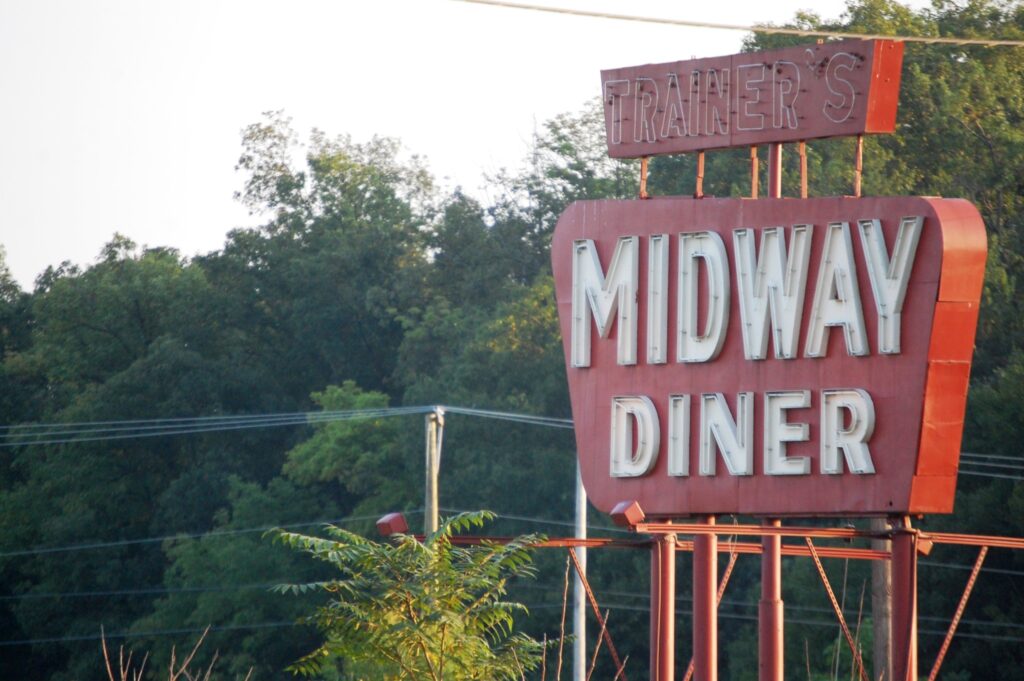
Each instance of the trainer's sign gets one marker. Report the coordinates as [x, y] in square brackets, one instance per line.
[798, 93]
[771, 357]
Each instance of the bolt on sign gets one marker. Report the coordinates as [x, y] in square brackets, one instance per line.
[797, 93]
[772, 356]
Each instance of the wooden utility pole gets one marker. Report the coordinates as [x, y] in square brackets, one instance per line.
[881, 604]
[435, 434]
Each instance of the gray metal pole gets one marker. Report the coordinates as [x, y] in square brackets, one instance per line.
[579, 603]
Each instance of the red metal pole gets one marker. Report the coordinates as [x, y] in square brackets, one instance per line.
[774, 170]
[904, 601]
[663, 615]
[770, 614]
[655, 618]
[705, 612]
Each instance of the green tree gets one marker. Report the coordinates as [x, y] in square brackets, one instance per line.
[418, 610]
[362, 457]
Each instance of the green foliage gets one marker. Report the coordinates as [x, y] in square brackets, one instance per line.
[224, 580]
[362, 456]
[418, 610]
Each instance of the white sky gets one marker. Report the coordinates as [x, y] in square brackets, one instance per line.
[119, 115]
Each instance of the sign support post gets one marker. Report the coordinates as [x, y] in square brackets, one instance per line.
[904, 601]
[770, 614]
[775, 170]
[663, 607]
[705, 606]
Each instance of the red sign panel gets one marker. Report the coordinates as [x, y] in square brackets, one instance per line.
[797, 93]
[769, 357]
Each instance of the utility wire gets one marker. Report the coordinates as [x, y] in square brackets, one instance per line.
[146, 634]
[236, 531]
[262, 528]
[151, 591]
[978, 474]
[55, 435]
[781, 30]
[93, 431]
[41, 550]
[506, 416]
[727, 602]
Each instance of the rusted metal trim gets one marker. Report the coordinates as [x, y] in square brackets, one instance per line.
[754, 180]
[621, 671]
[995, 542]
[775, 170]
[803, 170]
[698, 191]
[858, 166]
[556, 543]
[838, 611]
[975, 540]
[793, 550]
[759, 530]
[643, 177]
[959, 613]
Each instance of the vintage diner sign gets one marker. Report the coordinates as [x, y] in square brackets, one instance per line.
[831, 89]
[770, 357]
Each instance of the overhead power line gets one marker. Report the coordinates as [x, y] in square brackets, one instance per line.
[35, 434]
[84, 546]
[147, 634]
[528, 419]
[781, 30]
[56, 433]
[40, 550]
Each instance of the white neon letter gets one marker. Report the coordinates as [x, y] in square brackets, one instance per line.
[842, 96]
[614, 91]
[693, 345]
[785, 90]
[749, 78]
[838, 408]
[772, 285]
[678, 435]
[694, 97]
[674, 123]
[716, 97]
[593, 292]
[836, 296]
[889, 278]
[733, 438]
[778, 431]
[625, 461]
[645, 105]
[657, 299]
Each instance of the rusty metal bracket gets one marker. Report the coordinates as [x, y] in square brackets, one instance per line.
[858, 165]
[619, 668]
[838, 611]
[698, 191]
[754, 180]
[959, 613]
[803, 170]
